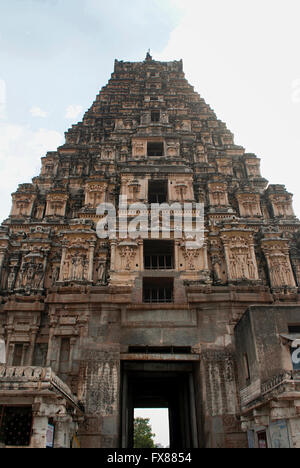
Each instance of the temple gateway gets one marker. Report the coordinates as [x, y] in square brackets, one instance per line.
[93, 327]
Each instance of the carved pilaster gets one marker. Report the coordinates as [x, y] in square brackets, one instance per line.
[240, 255]
[91, 261]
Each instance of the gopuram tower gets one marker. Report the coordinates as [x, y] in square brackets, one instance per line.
[94, 326]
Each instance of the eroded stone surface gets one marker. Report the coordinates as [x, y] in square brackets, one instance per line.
[74, 303]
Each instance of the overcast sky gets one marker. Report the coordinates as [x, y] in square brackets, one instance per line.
[243, 57]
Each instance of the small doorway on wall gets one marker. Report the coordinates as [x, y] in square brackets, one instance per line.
[160, 386]
[262, 440]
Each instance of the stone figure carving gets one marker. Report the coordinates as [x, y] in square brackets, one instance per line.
[21, 278]
[218, 195]
[11, 279]
[66, 268]
[280, 271]
[55, 274]
[102, 277]
[134, 188]
[241, 267]
[217, 268]
[240, 258]
[75, 267]
[38, 276]
[253, 169]
[191, 255]
[128, 253]
[31, 276]
[282, 205]
[251, 268]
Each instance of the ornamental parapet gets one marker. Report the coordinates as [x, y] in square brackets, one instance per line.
[33, 380]
[258, 392]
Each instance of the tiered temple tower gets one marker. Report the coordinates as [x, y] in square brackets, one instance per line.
[95, 327]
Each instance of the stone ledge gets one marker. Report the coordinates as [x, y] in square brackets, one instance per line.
[281, 386]
[34, 379]
[160, 357]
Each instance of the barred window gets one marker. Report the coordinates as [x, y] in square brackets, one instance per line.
[15, 426]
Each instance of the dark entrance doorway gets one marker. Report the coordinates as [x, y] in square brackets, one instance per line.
[161, 385]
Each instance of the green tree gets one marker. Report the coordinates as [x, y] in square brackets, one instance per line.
[143, 437]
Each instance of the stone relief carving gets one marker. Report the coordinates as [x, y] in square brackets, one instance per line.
[95, 194]
[224, 166]
[134, 189]
[277, 252]
[128, 253]
[55, 274]
[282, 205]
[280, 271]
[181, 189]
[56, 204]
[241, 266]
[191, 256]
[31, 276]
[240, 257]
[217, 268]
[173, 148]
[253, 168]
[101, 272]
[249, 205]
[218, 195]
[11, 278]
[75, 267]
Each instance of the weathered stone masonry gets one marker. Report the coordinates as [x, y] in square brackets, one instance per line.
[90, 324]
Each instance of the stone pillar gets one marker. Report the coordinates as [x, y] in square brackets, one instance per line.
[39, 431]
[52, 340]
[113, 255]
[2, 256]
[2, 351]
[91, 261]
[176, 255]
[102, 401]
[73, 342]
[206, 267]
[62, 434]
[227, 258]
[63, 258]
[25, 354]
[253, 258]
[294, 432]
[10, 353]
[141, 252]
[33, 333]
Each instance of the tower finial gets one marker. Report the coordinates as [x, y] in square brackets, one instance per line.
[148, 56]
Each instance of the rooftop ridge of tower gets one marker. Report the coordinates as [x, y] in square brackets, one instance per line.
[149, 61]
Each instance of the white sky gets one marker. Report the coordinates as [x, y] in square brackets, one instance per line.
[159, 421]
[243, 58]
